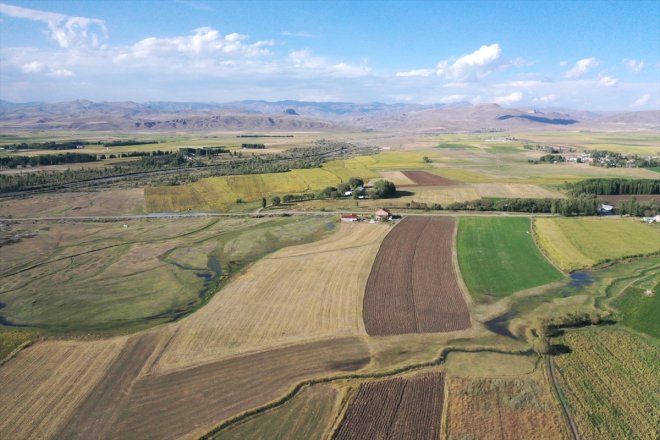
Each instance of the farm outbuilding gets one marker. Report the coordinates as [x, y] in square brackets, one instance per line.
[348, 218]
[383, 214]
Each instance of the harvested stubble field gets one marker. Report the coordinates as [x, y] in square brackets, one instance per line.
[299, 293]
[500, 409]
[498, 256]
[423, 178]
[577, 243]
[610, 380]
[44, 384]
[400, 408]
[413, 286]
[189, 403]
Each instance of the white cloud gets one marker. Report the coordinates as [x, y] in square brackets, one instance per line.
[642, 101]
[68, 32]
[510, 98]
[452, 99]
[473, 66]
[297, 34]
[607, 81]
[563, 63]
[32, 67]
[636, 66]
[581, 67]
[61, 72]
[416, 72]
[546, 99]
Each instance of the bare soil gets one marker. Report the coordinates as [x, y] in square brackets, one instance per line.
[400, 408]
[423, 178]
[412, 287]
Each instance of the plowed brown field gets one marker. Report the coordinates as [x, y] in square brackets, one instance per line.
[423, 178]
[400, 408]
[413, 286]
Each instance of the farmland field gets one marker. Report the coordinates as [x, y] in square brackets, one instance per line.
[639, 304]
[413, 285]
[404, 407]
[299, 293]
[190, 402]
[44, 384]
[618, 397]
[422, 178]
[489, 408]
[585, 242]
[306, 416]
[498, 257]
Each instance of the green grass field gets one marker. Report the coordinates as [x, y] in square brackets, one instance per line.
[306, 416]
[576, 243]
[88, 277]
[639, 305]
[498, 257]
[656, 169]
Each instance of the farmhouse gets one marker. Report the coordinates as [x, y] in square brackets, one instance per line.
[383, 214]
[348, 218]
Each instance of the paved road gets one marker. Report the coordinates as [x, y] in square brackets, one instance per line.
[258, 213]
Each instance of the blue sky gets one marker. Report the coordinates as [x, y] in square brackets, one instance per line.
[598, 55]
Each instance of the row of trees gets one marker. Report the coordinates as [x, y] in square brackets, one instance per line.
[614, 187]
[45, 159]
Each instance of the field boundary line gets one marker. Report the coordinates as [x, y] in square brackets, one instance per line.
[15, 352]
[457, 269]
[440, 359]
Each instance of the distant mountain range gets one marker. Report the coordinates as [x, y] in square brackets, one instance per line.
[307, 116]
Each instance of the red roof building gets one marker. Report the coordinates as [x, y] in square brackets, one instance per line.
[347, 218]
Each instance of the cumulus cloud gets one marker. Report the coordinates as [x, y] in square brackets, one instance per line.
[581, 67]
[452, 99]
[68, 32]
[416, 72]
[511, 98]
[636, 66]
[642, 100]
[607, 81]
[473, 66]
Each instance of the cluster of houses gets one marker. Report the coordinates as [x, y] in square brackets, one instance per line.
[381, 214]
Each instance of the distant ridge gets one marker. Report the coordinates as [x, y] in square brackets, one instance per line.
[307, 116]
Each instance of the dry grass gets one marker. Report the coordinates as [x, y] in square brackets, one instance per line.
[43, 385]
[515, 191]
[521, 408]
[107, 202]
[299, 293]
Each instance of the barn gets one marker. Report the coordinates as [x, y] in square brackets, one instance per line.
[348, 218]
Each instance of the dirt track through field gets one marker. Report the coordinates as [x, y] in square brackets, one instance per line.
[423, 178]
[412, 287]
[400, 408]
[189, 403]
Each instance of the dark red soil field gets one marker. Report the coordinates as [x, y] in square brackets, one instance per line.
[412, 287]
[616, 200]
[400, 408]
[422, 178]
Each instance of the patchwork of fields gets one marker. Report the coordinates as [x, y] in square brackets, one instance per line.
[413, 285]
[585, 242]
[498, 256]
[300, 293]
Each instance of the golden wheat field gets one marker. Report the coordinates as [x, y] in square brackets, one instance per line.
[299, 293]
[576, 243]
[45, 383]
